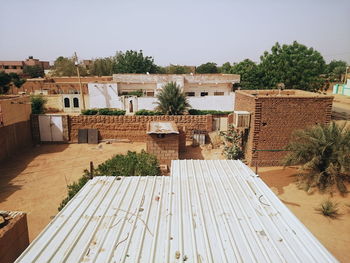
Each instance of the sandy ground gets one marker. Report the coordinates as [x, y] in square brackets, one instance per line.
[334, 234]
[35, 181]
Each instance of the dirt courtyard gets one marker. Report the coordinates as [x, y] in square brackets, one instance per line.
[334, 234]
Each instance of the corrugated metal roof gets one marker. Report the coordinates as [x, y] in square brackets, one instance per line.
[162, 127]
[207, 211]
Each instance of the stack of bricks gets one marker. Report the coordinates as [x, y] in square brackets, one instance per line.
[165, 147]
[274, 118]
[134, 127]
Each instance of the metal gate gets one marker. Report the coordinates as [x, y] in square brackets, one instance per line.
[51, 128]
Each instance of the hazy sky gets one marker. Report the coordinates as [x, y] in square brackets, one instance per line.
[177, 32]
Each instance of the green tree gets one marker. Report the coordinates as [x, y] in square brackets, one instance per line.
[17, 80]
[171, 100]
[324, 153]
[207, 68]
[38, 103]
[133, 62]
[295, 65]
[335, 69]
[249, 72]
[5, 81]
[225, 68]
[34, 71]
[177, 69]
[102, 67]
[65, 67]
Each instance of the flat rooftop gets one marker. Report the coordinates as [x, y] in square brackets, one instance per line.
[162, 127]
[206, 211]
[283, 93]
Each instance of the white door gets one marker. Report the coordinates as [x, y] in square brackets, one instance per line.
[51, 128]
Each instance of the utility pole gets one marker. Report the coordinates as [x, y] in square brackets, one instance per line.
[80, 86]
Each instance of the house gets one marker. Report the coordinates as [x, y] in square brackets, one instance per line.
[206, 211]
[274, 116]
[18, 66]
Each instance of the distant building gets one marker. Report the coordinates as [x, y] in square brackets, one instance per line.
[18, 66]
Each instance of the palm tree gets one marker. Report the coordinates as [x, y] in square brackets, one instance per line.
[171, 100]
[324, 153]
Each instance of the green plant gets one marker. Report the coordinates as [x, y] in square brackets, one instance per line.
[38, 102]
[148, 113]
[103, 111]
[171, 101]
[74, 188]
[329, 208]
[323, 151]
[206, 112]
[232, 150]
[131, 164]
[138, 93]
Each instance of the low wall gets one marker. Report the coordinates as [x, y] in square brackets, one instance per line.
[14, 238]
[134, 127]
[14, 138]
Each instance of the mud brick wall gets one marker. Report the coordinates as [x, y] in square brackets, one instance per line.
[165, 148]
[134, 127]
[14, 238]
[14, 138]
[274, 119]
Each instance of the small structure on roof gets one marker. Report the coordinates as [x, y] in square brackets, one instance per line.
[163, 141]
[206, 211]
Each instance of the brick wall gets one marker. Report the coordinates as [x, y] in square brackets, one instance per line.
[165, 148]
[14, 238]
[134, 127]
[274, 118]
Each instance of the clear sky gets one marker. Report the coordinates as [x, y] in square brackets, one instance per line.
[177, 32]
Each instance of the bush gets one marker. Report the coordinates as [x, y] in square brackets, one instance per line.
[74, 188]
[206, 112]
[103, 111]
[328, 208]
[131, 164]
[148, 113]
[38, 102]
[232, 150]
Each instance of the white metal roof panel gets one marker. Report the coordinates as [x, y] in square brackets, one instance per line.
[206, 211]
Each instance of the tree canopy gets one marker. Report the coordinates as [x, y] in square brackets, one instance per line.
[295, 65]
[177, 69]
[335, 69]
[171, 100]
[249, 72]
[207, 68]
[35, 71]
[102, 66]
[65, 67]
[133, 62]
[6, 80]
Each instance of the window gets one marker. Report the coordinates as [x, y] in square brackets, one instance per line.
[150, 93]
[6, 67]
[204, 93]
[219, 93]
[66, 103]
[76, 103]
[190, 94]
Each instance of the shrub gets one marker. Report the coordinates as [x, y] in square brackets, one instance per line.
[138, 93]
[38, 102]
[206, 112]
[74, 188]
[328, 208]
[148, 113]
[103, 111]
[232, 150]
[131, 164]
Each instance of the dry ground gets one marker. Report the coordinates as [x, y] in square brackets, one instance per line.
[334, 234]
[35, 181]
